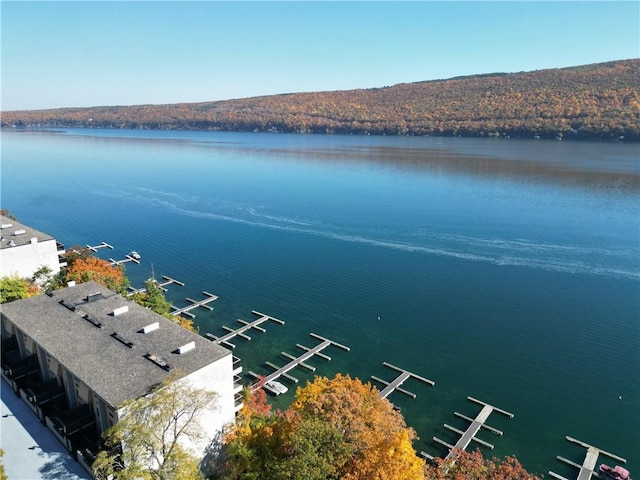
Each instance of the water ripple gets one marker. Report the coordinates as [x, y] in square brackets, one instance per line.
[497, 251]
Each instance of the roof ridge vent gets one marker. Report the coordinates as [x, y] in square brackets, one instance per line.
[159, 361]
[187, 347]
[93, 321]
[120, 310]
[92, 297]
[151, 327]
[70, 305]
[123, 339]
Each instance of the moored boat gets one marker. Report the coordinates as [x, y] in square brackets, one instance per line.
[616, 473]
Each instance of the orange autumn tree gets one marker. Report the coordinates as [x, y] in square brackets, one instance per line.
[335, 429]
[377, 435]
[92, 268]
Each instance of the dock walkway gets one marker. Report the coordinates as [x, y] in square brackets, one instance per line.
[162, 285]
[399, 380]
[587, 469]
[240, 331]
[309, 352]
[469, 434]
[210, 297]
[128, 258]
[95, 248]
[168, 281]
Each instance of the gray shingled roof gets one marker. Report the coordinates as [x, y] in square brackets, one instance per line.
[110, 368]
[8, 233]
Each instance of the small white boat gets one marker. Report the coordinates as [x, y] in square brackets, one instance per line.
[276, 387]
[135, 255]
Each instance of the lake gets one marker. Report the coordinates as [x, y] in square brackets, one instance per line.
[506, 270]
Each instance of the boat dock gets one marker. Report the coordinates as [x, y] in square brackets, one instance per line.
[589, 463]
[128, 258]
[399, 380]
[240, 331]
[168, 281]
[95, 248]
[469, 434]
[295, 361]
[210, 297]
[161, 285]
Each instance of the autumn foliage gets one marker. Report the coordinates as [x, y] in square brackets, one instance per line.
[15, 288]
[599, 101]
[335, 429]
[472, 466]
[92, 268]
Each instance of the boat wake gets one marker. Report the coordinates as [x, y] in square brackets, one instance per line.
[568, 258]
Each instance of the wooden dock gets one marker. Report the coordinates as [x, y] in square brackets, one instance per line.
[586, 470]
[297, 361]
[95, 248]
[399, 380]
[470, 433]
[210, 297]
[240, 331]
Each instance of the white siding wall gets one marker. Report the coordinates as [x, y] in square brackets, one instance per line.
[215, 377]
[24, 260]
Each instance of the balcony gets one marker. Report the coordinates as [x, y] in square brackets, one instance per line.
[40, 396]
[237, 384]
[237, 368]
[9, 344]
[87, 448]
[62, 261]
[70, 425]
[238, 402]
[16, 370]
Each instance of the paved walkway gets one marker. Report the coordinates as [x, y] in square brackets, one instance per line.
[31, 452]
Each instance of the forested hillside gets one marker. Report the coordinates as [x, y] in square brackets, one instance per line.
[600, 101]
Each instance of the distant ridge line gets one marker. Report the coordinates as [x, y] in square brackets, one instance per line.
[598, 101]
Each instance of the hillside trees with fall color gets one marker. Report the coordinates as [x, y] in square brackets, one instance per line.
[599, 101]
[336, 428]
[93, 268]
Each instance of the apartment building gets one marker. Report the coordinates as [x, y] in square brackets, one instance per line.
[24, 250]
[76, 355]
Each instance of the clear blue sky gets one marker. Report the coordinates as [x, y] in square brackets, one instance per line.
[74, 54]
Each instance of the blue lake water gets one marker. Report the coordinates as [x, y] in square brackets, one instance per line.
[505, 270]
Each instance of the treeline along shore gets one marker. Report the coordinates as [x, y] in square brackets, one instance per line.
[597, 102]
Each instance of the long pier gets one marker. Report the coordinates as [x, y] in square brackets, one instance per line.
[295, 361]
[210, 297]
[586, 470]
[399, 380]
[470, 433]
[240, 331]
